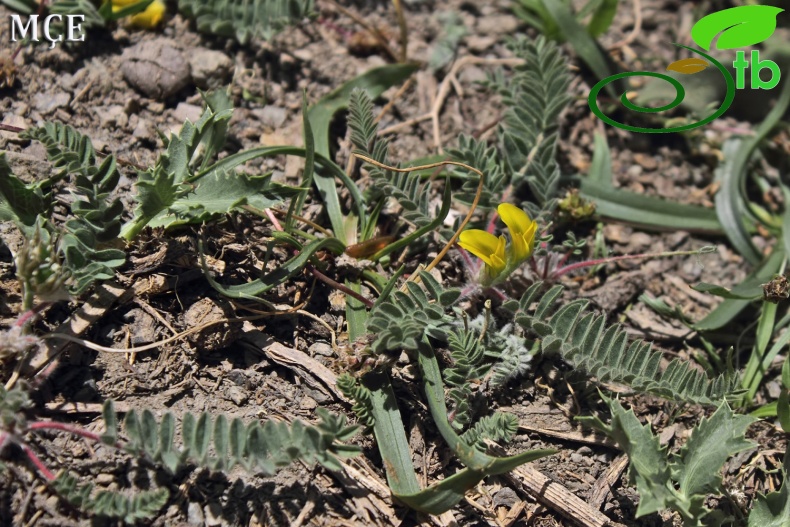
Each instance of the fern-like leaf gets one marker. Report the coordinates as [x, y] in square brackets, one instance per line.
[142, 505]
[260, 446]
[583, 339]
[499, 427]
[354, 390]
[400, 322]
[535, 96]
[360, 120]
[97, 217]
[245, 20]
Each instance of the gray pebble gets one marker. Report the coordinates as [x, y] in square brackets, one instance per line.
[47, 103]
[271, 116]
[210, 69]
[156, 68]
[195, 514]
[237, 395]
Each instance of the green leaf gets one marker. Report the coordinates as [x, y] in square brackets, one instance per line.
[19, 202]
[110, 435]
[723, 292]
[220, 193]
[711, 444]
[648, 211]
[320, 115]
[773, 510]
[648, 466]
[585, 46]
[309, 167]
[731, 199]
[786, 373]
[602, 18]
[375, 81]
[783, 411]
[741, 26]
[251, 290]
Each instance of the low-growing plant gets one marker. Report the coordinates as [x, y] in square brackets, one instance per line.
[214, 442]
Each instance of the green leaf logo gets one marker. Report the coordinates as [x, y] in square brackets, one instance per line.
[742, 26]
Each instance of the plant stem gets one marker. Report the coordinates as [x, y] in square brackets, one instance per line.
[589, 263]
[64, 427]
[340, 287]
[40, 466]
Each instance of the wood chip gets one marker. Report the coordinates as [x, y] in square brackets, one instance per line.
[553, 423]
[602, 488]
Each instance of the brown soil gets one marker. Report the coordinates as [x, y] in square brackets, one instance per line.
[235, 368]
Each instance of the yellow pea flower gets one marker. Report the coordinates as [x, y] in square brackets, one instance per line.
[522, 231]
[488, 248]
[147, 19]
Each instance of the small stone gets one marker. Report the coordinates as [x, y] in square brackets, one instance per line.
[104, 479]
[307, 403]
[585, 451]
[647, 162]
[478, 44]
[156, 68]
[111, 116]
[320, 348]
[577, 458]
[156, 107]
[634, 171]
[68, 81]
[186, 111]
[47, 103]
[17, 121]
[142, 130]
[497, 25]
[271, 116]
[210, 69]
[195, 514]
[216, 336]
[237, 395]
[213, 514]
[506, 497]
[472, 74]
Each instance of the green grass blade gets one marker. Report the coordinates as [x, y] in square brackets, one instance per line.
[585, 46]
[375, 81]
[309, 167]
[601, 167]
[356, 314]
[390, 436]
[602, 18]
[649, 212]
[251, 290]
[730, 205]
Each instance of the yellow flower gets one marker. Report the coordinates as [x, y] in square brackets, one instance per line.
[522, 231]
[487, 247]
[147, 19]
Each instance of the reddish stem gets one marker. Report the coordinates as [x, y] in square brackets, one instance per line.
[37, 462]
[589, 263]
[340, 287]
[54, 425]
[25, 317]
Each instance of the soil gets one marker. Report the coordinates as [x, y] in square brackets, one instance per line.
[124, 85]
